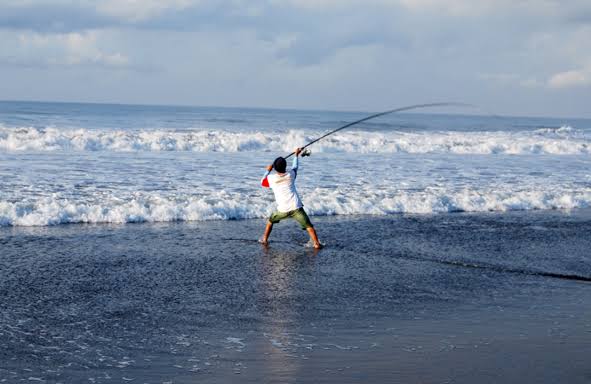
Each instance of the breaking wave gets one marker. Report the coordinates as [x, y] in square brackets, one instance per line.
[152, 207]
[557, 141]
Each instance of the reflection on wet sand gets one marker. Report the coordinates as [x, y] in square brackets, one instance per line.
[281, 273]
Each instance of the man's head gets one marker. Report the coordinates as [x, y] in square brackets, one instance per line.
[279, 164]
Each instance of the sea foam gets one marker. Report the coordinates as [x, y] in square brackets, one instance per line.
[558, 141]
[152, 207]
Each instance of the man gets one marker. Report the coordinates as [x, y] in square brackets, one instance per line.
[289, 204]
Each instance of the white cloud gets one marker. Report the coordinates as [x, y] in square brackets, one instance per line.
[141, 10]
[450, 6]
[306, 53]
[570, 79]
[531, 82]
[68, 49]
[511, 80]
[500, 78]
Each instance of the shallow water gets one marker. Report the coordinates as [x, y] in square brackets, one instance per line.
[204, 301]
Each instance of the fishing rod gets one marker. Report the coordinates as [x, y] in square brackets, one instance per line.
[407, 108]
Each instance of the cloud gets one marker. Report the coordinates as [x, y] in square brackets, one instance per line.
[67, 49]
[300, 53]
[502, 78]
[69, 15]
[510, 80]
[50, 17]
[571, 79]
[456, 7]
[140, 10]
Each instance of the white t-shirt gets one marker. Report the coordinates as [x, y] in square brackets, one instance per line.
[286, 195]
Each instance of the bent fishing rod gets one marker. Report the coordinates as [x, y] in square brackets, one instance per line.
[407, 108]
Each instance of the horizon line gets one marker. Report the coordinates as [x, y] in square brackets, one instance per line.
[116, 103]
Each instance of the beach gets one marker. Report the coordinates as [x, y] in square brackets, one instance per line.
[423, 169]
[456, 298]
[456, 247]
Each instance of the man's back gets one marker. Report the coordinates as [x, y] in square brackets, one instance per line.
[286, 195]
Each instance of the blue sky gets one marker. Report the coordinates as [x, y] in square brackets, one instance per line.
[512, 57]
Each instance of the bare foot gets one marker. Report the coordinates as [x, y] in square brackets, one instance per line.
[318, 246]
[263, 241]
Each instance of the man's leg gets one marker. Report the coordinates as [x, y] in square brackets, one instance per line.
[314, 237]
[302, 218]
[268, 229]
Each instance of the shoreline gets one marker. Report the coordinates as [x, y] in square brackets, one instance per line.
[580, 213]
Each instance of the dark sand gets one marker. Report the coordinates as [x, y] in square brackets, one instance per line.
[456, 298]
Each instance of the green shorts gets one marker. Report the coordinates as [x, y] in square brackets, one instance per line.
[298, 214]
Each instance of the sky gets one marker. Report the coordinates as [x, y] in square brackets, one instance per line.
[516, 57]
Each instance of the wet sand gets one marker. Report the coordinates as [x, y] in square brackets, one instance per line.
[456, 298]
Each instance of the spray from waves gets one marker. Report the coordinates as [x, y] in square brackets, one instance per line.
[222, 205]
[557, 141]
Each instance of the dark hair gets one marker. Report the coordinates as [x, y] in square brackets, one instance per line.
[279, 164]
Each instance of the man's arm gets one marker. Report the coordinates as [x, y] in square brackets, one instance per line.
[295, 163]
[264, 180]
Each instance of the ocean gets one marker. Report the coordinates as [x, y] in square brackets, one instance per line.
[98, 163]
[457, 247]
